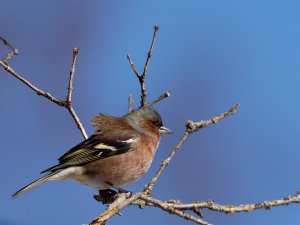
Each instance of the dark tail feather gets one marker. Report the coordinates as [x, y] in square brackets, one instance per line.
[34, 184]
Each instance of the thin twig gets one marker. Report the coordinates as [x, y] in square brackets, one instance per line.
[13, 52]
[77, 121]
[130, 103]
[195, 126]
[7, 43]
[156, 27]
[163, 96]
[133, 66]
[190, 128]
[142, 78]
[30, 85]
[72, 72]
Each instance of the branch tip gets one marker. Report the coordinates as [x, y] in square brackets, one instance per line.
[130, 103]
[234, 108]
[13, 52]
[76, 51]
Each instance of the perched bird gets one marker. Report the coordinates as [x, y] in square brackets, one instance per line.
[119, 152]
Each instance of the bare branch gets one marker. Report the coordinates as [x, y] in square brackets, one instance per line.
[130, 103]
[67, 103]
[141, 198]
[213, 206]
[190, 128]
[195, 126]
[142, 78]
[13, 52]
[72, 72]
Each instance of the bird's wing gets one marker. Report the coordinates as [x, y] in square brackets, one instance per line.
[94, 148]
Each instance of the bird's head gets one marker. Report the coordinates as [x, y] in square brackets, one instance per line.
[148, 119]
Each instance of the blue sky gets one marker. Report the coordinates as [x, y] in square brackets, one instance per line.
[209, 54]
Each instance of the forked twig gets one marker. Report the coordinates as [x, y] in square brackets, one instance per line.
[68, 101]
[142, 78]
[64, 103]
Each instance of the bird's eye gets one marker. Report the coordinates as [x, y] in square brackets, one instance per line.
[156, 123]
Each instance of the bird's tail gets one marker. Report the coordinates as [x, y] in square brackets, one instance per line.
[36, 183]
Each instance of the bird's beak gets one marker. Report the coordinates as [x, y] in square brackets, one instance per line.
[164, 130]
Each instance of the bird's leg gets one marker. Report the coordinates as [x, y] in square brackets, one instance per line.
[120, 190]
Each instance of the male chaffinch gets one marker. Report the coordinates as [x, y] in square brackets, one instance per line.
[119, 152]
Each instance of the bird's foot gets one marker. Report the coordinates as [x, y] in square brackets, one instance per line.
[106, 196]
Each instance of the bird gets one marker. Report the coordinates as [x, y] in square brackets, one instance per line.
[118, 153]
